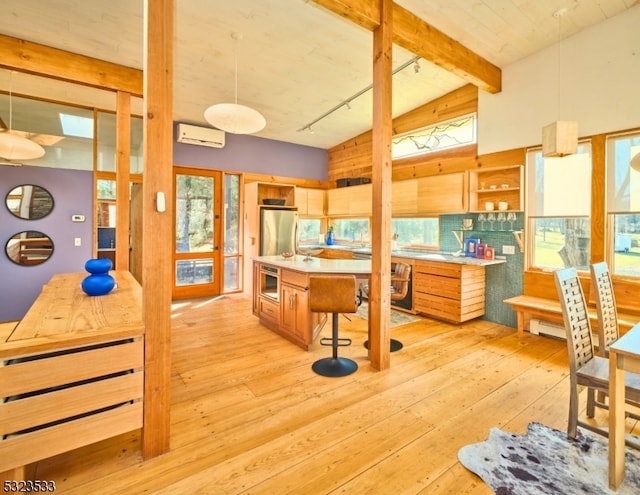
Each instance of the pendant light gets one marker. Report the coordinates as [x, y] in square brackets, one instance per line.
[560, 138]
[14, 147]
[635, 162]
[232, 117]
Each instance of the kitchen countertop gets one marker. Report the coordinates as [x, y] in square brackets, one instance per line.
[419, 255]
[318, 265]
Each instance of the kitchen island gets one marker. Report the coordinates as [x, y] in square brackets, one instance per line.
[446, 287]
[281, 293]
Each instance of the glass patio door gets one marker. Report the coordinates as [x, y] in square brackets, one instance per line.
[196, 259]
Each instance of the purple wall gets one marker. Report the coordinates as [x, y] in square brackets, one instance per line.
[72, 192]
[242, 153]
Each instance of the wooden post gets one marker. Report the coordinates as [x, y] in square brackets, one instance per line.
[157, 226]
[380, 302]
[123, 168]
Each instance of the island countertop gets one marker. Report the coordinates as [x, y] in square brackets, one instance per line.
[318, 265]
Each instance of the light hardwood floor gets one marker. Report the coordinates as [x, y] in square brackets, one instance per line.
[250, 417]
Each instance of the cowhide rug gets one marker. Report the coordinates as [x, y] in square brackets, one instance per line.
[545, 461]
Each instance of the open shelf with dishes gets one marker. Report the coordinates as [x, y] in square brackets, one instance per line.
[496, 189]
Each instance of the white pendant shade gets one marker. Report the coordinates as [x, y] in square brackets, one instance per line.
[234, 118]
[635, 162]
[14, 147]
[560, 138]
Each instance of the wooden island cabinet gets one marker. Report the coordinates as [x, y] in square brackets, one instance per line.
[281, 293]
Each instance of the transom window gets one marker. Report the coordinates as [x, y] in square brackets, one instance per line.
[453, 133]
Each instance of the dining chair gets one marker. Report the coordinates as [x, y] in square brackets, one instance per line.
[585, 367]
[607, 312]
[399, 289]
[608, 328]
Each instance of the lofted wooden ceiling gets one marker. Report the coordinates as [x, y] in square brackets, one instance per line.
[299, 59]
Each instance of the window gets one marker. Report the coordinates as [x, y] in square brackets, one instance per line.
[232, 265]
[351, 230]
[623, 205]
[416, 232]
[559, 209]
[452, 133]
[309, 231]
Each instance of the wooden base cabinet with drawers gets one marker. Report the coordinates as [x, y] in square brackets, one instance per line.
[449, 291]
[288, 315]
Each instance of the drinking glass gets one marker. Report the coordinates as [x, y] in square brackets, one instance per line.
[511, 217]
[482, 218]
[501, 218]
[491, 218]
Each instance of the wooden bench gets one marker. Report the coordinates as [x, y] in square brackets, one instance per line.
[528, 307]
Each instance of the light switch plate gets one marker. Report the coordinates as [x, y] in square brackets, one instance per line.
[508, 250]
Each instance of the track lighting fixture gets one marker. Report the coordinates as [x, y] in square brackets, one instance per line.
[347, 102]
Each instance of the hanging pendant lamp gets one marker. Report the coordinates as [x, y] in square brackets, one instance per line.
[232, 117]
[635, 162]
[560, 138]
[14, 147]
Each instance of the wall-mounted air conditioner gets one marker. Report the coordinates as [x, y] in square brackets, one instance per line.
[200, 136]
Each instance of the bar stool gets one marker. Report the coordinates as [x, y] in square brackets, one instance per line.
[333, 294]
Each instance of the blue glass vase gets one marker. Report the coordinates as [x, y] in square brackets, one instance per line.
[330, 238]
[99, 282]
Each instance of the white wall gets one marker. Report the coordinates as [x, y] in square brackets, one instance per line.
[596, 73]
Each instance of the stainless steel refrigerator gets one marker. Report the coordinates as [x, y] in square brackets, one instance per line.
[278, 230]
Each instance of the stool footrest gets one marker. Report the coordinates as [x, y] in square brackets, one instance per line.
[340, 342]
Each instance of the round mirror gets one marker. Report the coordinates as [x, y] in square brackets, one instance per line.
[29, 202]
[29, 248]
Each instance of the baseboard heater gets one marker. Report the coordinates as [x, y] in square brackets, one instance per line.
[541, 327]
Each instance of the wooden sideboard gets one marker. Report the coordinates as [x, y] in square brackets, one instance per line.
[71, 372]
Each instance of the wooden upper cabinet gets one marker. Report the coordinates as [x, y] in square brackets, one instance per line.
[352, 201]
[310, 202]
[445, 193]
[404, 197]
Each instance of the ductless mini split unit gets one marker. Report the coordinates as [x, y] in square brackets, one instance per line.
[200, 136]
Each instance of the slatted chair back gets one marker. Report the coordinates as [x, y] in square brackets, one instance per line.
[400, 281]
[576, 318]
[608, 327]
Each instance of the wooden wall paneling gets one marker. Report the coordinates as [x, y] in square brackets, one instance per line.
[353, 158]
[380, 281]
[123, 168]
[157, 226]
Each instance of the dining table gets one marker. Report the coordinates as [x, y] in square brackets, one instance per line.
[624, 355]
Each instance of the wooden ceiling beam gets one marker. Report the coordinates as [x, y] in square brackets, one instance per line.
[419, 37]
[33, 58]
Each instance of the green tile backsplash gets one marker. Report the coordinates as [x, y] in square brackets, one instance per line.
[502, 281]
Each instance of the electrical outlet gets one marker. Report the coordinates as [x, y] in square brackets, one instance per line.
[77, 241]
[508, 250]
